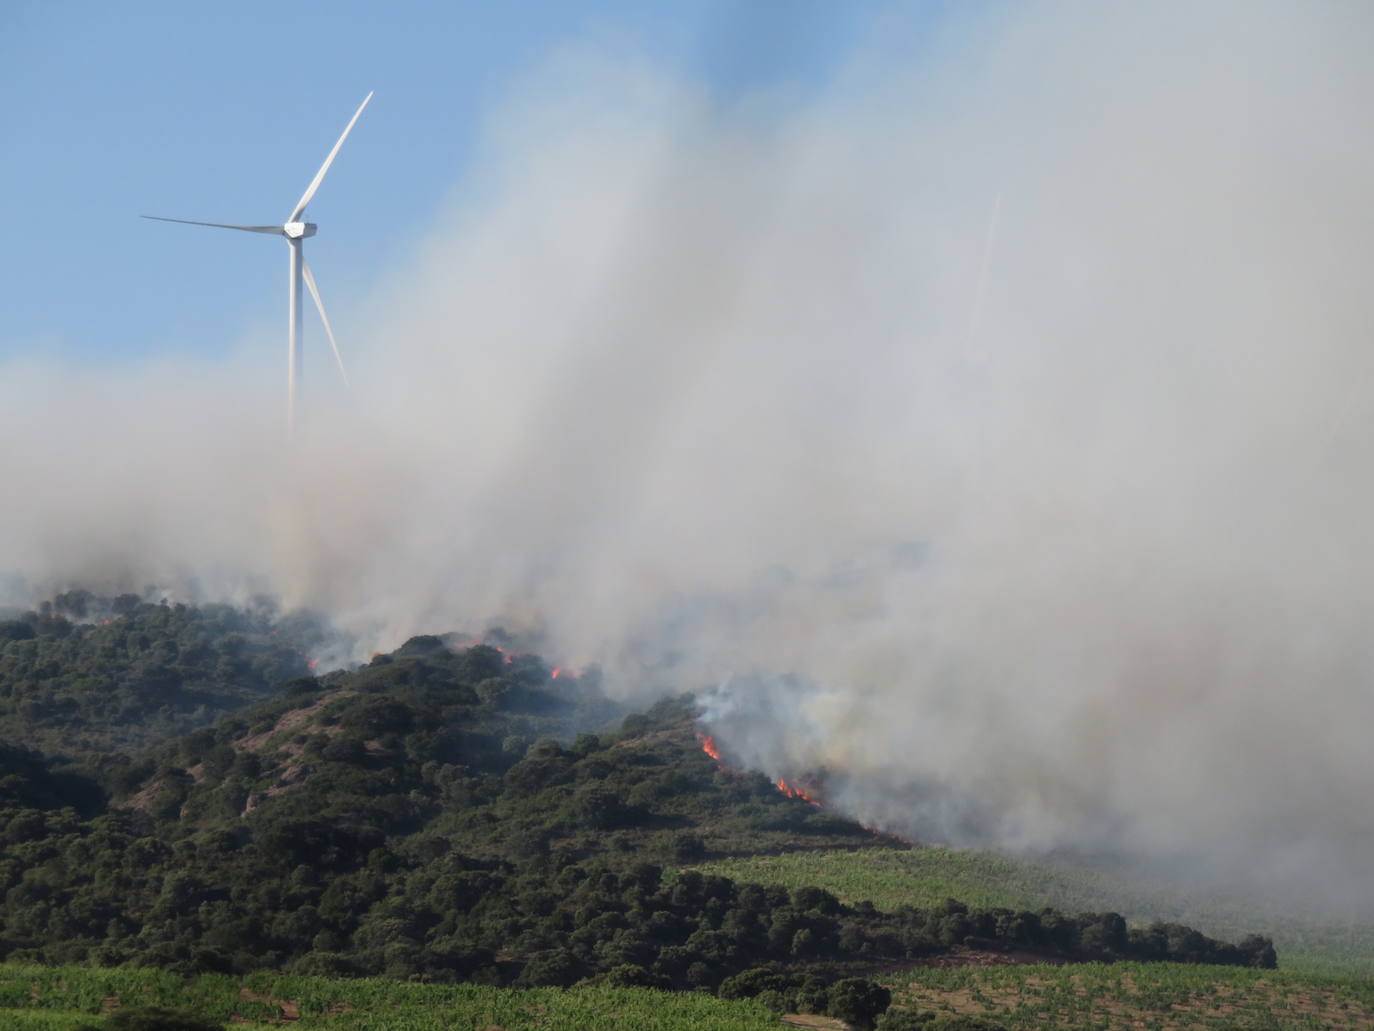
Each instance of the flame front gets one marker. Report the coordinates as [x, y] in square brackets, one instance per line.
[792, 791]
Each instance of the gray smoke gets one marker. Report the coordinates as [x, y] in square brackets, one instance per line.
[1065, 532]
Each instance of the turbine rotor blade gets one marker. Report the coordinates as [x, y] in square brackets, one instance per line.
[270, 230]
[319, 305]
[319, 176]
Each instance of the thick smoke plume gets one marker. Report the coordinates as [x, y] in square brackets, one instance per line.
[1062, 521]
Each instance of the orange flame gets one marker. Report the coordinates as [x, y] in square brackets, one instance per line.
[887, 834]
[792, 791]
[311, 664]
[709, 746]
[556, 670]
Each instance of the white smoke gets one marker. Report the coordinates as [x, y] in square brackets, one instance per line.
[692, 388]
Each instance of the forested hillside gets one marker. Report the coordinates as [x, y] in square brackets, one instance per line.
[442, 813]
[84, 676]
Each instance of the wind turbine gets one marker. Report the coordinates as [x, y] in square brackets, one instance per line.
[295, 231]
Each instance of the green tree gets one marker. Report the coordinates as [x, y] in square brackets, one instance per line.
[155, 1018]
[553, 967]
[857, 1001]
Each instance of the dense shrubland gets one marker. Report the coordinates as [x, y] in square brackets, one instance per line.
[445, 815]
[83, 676]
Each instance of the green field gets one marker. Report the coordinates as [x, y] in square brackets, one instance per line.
[64, 998]
[923, 876]
[1152, 996]
[1078, 997]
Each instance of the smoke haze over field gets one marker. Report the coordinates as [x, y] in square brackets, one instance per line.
[700, 389]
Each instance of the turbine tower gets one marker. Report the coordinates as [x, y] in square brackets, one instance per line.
[295, 231]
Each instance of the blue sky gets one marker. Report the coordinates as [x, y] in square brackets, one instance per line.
[223, 112]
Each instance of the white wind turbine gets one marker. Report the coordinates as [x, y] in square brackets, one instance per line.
[295, 232]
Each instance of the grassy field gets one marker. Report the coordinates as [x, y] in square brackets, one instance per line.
[1080, 997]
[923, 876]
[64, 998]
[1152, 996]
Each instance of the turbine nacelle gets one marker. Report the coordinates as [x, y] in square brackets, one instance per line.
[295, 231]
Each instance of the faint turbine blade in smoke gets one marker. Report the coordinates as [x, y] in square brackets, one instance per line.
[328, 329]
[975, 313]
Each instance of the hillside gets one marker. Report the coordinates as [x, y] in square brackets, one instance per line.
[454, 812]
[83, 677]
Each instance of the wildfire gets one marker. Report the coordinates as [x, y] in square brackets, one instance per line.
[792, 791]
[310, 664]
[888, 834]
[556, 671]
[709, 746]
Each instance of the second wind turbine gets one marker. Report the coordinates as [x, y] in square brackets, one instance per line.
[295, 231]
